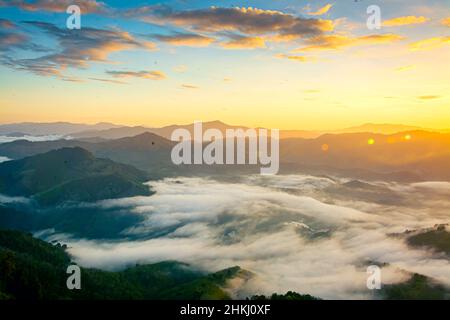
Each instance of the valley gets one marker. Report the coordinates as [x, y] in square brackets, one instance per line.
[114, 205]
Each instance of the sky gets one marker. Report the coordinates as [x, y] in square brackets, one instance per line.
[285, 64]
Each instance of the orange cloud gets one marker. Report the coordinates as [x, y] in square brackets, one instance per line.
[11, 39]
[429, 44]
[446, 22]
[186, 39]
[336, 42]
[296, 58]
[405, 20]
[321, 11]
[151, 75]
[247, 21]
[6, 24]
[430, 97]
[245, 43]
[91, 45]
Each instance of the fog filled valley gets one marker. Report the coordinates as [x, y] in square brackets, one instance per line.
[307, 234]
[119, 204]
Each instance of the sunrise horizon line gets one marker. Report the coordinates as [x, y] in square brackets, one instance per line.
[223, 122]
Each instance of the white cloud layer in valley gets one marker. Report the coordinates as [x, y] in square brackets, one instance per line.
[291, 231]
[11, 138]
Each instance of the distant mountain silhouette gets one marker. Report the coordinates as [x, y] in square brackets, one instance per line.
[105, 130]
[419, 153]
[382, 128]
[365, 128]
[70, 174]
[405, 156]
[166, 132]
[111, 133]
[61, 128]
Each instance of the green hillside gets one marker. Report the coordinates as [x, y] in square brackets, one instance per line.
[438, 239]
[418, 287]
[205, 288]
[290, 296]
[88, 222]
[33, 269]
[70, 174]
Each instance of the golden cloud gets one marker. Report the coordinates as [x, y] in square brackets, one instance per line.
[405, 20]
[248, 21]
[151, 75]
[429, 44]
[244, 43]
[336, 42]
[321, 11]
[296, 58]
[446, 22]
[186, 39]
[430, 97]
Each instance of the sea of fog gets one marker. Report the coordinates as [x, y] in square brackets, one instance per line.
[313, 235]
[3, 159]
[11, 138]
[6, 139]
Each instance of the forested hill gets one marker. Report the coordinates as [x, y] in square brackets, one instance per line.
[33, 269]
[70, 174]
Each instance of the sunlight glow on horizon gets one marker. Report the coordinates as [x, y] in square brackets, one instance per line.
[348, 83]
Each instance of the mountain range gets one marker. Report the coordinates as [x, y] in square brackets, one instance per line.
[120, 132]
[56, 128]
[104, 130]
[405, 156]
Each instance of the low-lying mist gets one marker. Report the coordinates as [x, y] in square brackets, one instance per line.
[3, 159]
[309, 234]
[32, 138]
